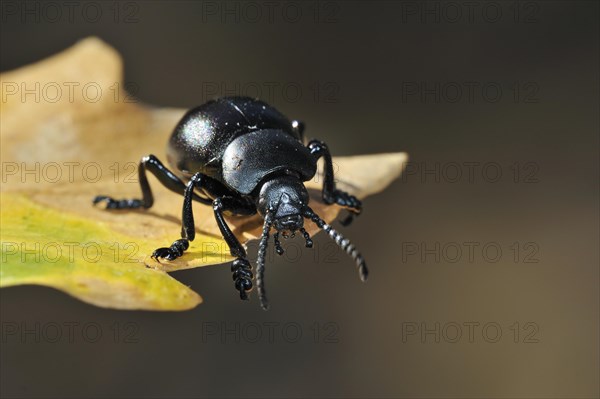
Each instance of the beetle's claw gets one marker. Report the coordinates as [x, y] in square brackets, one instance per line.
[103, 198]
[162, 253]
[173, 252]
[100, 198]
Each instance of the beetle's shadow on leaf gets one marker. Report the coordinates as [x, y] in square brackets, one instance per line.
[144, 212]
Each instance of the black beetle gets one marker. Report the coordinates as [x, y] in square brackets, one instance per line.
[243, 156]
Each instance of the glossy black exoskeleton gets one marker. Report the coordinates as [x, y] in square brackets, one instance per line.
[242, 156]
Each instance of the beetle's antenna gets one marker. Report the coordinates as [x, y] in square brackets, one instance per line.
[309, 242]
[278, 247]
[260, 262]
[344, 243]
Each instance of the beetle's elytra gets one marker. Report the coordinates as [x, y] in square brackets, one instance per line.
[242, 156]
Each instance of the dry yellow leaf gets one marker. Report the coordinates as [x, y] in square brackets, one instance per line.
[83, 135]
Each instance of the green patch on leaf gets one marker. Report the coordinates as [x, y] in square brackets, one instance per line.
[83, 258]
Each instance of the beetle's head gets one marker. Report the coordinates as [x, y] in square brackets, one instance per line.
[283, 203]
[285, 197]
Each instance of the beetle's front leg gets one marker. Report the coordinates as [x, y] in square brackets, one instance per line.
[241, 269]
[331, 195]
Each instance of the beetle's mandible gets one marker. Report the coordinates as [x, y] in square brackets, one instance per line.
[242, 156]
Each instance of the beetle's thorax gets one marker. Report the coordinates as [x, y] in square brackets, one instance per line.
[285, 197]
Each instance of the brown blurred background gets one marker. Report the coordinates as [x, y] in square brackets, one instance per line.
[497, 104]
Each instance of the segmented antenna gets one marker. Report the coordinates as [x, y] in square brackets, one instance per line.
[344, 243]
[260, 262]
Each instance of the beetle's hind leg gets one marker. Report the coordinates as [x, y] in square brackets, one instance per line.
[331, 195]
[151, 164]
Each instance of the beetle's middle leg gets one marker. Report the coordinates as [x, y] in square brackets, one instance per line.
[168, 179]
[242, 271]
[188, 231]
[331, 195]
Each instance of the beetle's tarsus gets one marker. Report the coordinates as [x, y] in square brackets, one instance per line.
[242, 277]
[173, 252]
[346, 200]
[112, 203]
[160, 253]
[350, 202]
